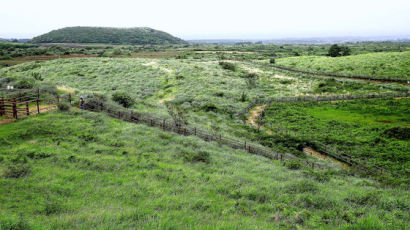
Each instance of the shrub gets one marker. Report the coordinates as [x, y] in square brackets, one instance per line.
[24, 84]
[63, 106]
[293, 164]
[401, 133]
[123, 99]
[37, 76]
[272, 61]
[227, 66]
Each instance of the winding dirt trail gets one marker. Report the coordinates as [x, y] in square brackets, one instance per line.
[254, 116]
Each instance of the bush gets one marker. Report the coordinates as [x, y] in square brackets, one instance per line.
[24, 84]
[62, 106]
[293, 164]
[37, 76]
[401, 133]
[272, 61]
[227, 66]
[123, 99]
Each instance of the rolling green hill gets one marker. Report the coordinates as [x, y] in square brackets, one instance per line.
[386, 65]
[138, 35]
[83, 170]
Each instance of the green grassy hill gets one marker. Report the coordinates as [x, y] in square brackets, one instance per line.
[387, 65]
[140, 35]
[82, 170]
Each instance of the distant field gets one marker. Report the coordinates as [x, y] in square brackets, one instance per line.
[389, 65]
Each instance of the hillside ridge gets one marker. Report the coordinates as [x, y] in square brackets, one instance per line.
[111, 35]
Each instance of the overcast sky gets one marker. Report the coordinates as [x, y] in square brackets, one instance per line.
[207, 19]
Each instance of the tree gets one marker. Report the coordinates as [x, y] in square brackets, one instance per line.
[123, 99]
[337, 51]
[345, 51]
[334, 51]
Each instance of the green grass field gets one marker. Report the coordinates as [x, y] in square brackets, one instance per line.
[376, 129]
[81, 170]
[386, 65]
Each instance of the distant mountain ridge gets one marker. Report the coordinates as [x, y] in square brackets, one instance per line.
[302, 40]
[110, 35]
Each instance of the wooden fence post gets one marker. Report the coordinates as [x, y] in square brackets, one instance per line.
[245, 144]
[119, 114]
[58, 98]
[163, 124]
[38, 101]
[2, 106]
[27, 109]
[15, 108]
[69, 98]
[195, 131]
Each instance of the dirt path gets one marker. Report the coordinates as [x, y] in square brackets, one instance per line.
[254, 116]
[6, 120]
[312, 152]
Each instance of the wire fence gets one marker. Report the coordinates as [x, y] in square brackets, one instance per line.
[21, 107]
[397, 79]
[356, 161]
[171, 126]
[328, 98]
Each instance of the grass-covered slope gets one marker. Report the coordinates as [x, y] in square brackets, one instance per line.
[139, 35]
[375, 129]
[80, 170]
[388, 65]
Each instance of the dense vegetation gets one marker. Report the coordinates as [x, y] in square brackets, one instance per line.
[388, 65]
[375, 129]
[80, 170]
[142, 35]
